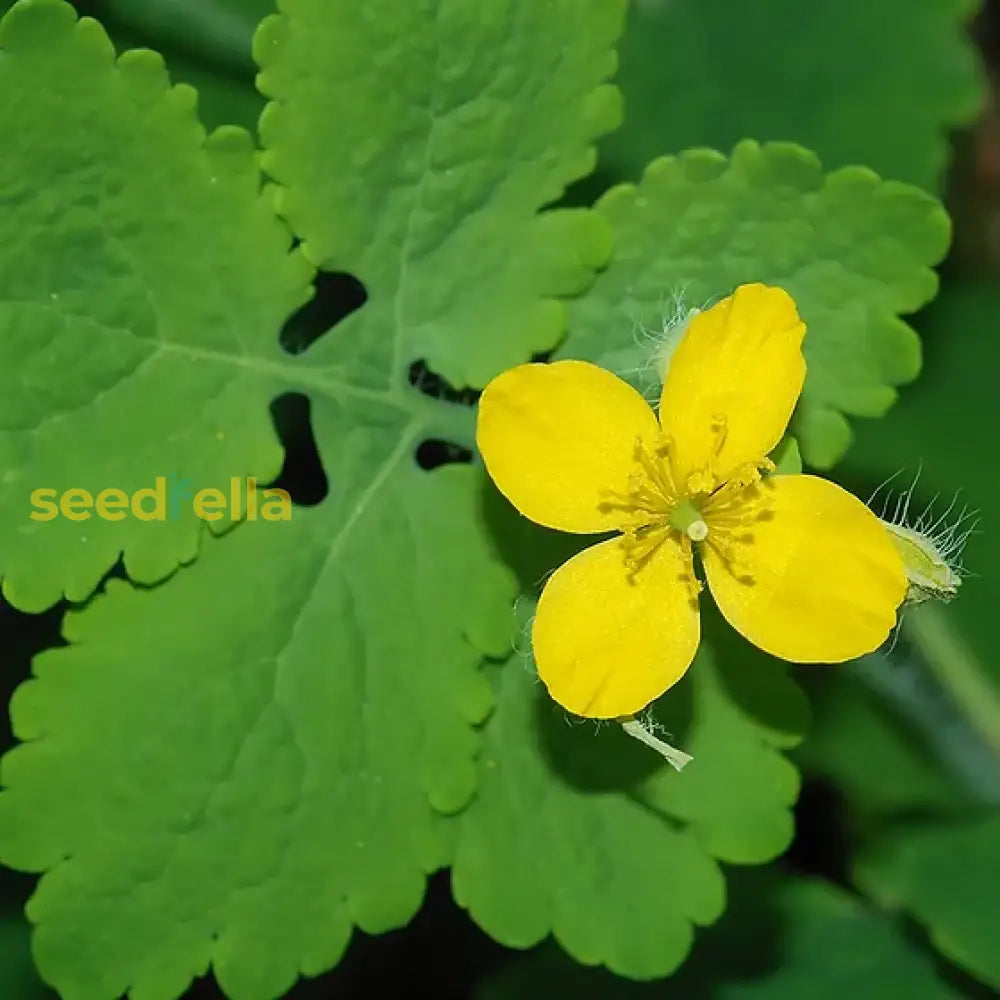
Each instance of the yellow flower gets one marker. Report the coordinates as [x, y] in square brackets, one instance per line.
[797, 565]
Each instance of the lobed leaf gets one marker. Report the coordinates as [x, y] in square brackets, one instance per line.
[853, 251]
[592, 838]
[944, 874]
[939, 871]
[206, 43]
[236, 767]
[744, 708]
[448, 126]
[934, 441]
[139, 315]
[781, 939]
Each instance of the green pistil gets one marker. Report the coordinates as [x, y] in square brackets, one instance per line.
[686, 518]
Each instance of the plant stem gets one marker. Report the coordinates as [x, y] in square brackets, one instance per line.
[956, 668]
[452, 421]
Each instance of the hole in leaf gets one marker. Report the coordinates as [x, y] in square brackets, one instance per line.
[431, 384]
[336, 295]
[302, 474]
[434, 452]
[24, 636]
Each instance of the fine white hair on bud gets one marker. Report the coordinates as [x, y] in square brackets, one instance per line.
[670, 337]
[645, 364]
[930, 544]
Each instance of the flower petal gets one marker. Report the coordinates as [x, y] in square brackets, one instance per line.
[733, 382]
[819, 581]
[608, 642]
[557, 438]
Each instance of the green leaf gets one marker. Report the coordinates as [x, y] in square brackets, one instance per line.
[744, 706]
[223, 98]
[781, 939]
[942, 873]
[235, 767]
[153, 257]
[852, 250]
[589, 836]
[140, 298]
[451, 125]
[869, 746]
[932, 443]
[938, 432]
[945, 875]
[556, 842]
[879, 84]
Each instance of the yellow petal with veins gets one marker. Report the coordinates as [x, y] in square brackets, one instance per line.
[732, 383]
[608, 641]
[558, 439]
[811, 575]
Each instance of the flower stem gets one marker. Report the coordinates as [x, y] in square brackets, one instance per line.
[956, 668]
[931, 714]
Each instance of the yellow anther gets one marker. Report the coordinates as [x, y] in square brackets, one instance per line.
[700, 482]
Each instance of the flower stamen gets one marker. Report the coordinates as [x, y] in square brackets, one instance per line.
[639, 544]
